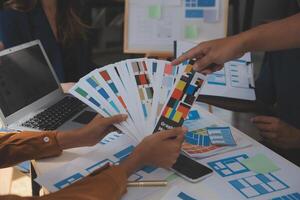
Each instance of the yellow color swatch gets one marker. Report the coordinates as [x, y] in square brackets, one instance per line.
[177, 117]
[180, 85]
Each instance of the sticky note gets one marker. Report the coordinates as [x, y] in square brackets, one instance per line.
[154, 11]
[260, 164]
[191, 32]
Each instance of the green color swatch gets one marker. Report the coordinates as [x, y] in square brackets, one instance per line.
[191, 32]
[171, 177]
[154, 11]
[81, 92]
[260, 164]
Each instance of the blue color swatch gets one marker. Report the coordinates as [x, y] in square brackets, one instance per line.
[193, 115]
[194, 13]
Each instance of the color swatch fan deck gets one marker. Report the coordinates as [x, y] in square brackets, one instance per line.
[153, 94]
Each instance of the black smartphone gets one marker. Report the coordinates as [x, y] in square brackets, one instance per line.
[190, 169]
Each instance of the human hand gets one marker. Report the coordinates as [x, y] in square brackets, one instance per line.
[160, 149]
[211, 55]
[1, 46]
[90, 134]
[67, 86]
[277, 132]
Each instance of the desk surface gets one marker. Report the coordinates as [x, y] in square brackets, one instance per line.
[244, 185]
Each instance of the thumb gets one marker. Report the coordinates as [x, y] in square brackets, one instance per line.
[114, 119]
[172, 133]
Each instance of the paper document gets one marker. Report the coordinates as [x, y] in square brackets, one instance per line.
[235, 80]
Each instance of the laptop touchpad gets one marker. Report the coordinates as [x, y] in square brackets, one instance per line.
[85, 117]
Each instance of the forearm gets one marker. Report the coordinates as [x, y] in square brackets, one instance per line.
[281, 34]
[19, 147]
[101, 185]
[229, 104]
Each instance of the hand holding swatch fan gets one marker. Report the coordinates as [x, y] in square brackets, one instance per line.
[154, 94]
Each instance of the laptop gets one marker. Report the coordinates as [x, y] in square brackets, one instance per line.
[31, 97]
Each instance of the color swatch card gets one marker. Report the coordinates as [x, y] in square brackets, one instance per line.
[154, 94]
[181, 99]
[221, 136]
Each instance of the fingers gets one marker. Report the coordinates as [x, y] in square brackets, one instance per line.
[114, 119]
[1, 46]
[211, 70]
[268, 135]
[192, 53]
[264, 119]
[173, 133]
[265, 127]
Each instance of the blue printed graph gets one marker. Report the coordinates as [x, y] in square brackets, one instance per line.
[257, 185]
[110, 138]
[68, 181]
[185, 196]
[98, 165]
[117, 158]
[229, 166]
[220, 136]
[195, 8]
[121, 155]
[292, 196]
[239, 76]
[216, 79]
[198, 137]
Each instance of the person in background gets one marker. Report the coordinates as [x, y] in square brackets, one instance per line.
[58, 25]
[278, 85]
[109, 182]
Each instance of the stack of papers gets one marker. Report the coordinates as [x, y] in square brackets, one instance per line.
[154, 94]
[203, 141]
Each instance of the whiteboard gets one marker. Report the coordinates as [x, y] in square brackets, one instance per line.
[151, 26]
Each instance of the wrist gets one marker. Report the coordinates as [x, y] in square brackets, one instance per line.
[243, 41]
[133, 163]
[67, 139]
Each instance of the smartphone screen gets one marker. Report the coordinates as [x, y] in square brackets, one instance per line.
[190, 168]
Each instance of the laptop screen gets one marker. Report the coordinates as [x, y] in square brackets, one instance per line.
[25, 77]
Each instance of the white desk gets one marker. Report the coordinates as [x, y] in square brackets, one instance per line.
[216, 186]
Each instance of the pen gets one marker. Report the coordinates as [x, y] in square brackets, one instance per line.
[147, 183]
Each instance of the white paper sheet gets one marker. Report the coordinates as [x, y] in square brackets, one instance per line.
[234, 81]
[110, 151]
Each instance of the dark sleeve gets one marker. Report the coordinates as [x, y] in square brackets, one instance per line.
[264, 85]
[14, 28]
[1, 28]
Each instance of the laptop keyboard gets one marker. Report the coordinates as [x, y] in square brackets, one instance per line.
[56, 115]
